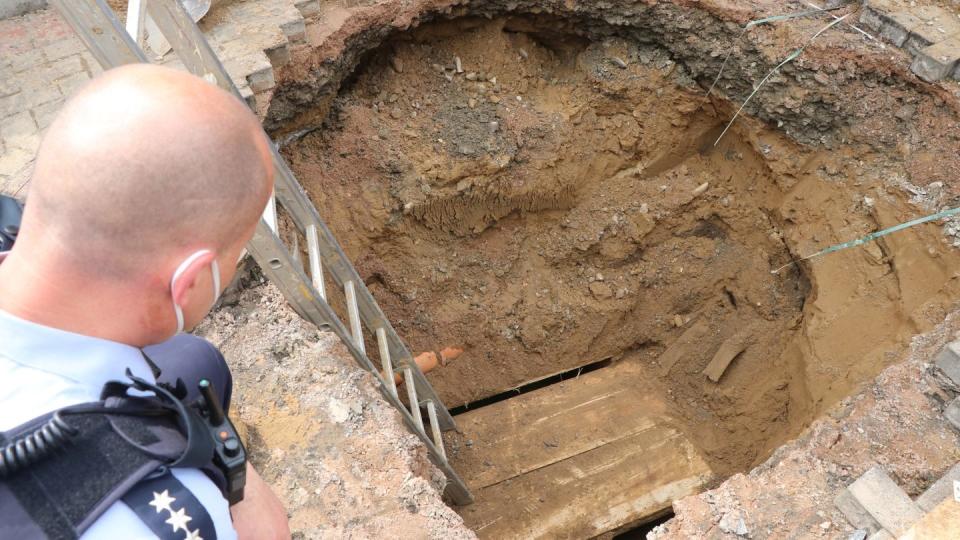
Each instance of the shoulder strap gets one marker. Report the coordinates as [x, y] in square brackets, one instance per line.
[170, 510]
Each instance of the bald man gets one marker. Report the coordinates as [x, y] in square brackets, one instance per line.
[145, 190]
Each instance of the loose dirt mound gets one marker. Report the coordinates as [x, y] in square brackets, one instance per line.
[557, 201]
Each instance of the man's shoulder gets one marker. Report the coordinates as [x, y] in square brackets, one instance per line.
[27, 392]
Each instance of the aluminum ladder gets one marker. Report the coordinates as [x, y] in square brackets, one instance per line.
[114, 44]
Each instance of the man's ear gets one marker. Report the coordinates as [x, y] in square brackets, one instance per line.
[187, 278]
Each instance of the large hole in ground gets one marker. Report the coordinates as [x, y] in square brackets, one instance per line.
[561, 202]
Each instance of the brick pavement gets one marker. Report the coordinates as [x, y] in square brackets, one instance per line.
[931, 34]
[42, 63]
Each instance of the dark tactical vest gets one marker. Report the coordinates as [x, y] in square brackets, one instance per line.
[60, 472]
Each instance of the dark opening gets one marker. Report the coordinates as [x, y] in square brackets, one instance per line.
[535, 385]
[640, 532]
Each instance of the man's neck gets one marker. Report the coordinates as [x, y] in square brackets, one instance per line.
[45, 294]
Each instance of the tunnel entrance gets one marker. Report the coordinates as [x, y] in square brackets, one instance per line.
[548, 201]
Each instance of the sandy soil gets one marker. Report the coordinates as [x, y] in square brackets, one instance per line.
[542, 209]
[895, 423]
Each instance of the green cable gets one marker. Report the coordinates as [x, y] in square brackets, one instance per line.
[776, 18]
[874, 236]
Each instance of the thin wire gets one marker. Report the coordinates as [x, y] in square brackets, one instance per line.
[816, 9]
[873, 236]
[748, 26]
[855, 27]
[723, 65]
[790, 58]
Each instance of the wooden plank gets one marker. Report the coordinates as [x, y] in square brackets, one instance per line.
[730, 349]
[689, 340]
[625, 482]
[533, 430]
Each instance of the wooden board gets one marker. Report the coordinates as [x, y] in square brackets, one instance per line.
[575, 459]
[730, 349]
[536, 429]
[617, 484]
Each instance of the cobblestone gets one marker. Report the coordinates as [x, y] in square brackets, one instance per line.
[18, 130]
[42, 63]
[69, 84]
[253, 39]
[897, 29]
[937, 61]
[308, 8]
[60, 49]
[929, 33]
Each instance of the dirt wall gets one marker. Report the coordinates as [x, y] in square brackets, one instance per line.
[559, 201]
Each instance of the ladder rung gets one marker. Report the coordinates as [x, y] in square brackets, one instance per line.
[435, 427]
[316, 266]
[186, 38]
[412, 396]
[386, 361]
[354, 312]
[136, 17]
[295, 250]
[270, 212]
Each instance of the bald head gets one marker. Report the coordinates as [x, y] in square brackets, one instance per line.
[144, 164]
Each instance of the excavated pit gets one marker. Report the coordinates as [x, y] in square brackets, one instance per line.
[560, 202]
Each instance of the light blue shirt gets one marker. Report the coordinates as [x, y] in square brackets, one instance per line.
[42, 369]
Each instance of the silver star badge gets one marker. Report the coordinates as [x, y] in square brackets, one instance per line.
[178, 520]
[162, 501]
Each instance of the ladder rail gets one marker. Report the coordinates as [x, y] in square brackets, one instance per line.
[100, 30]
[292, 196]
[290, 278]
[109, 48]
[189, 43]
